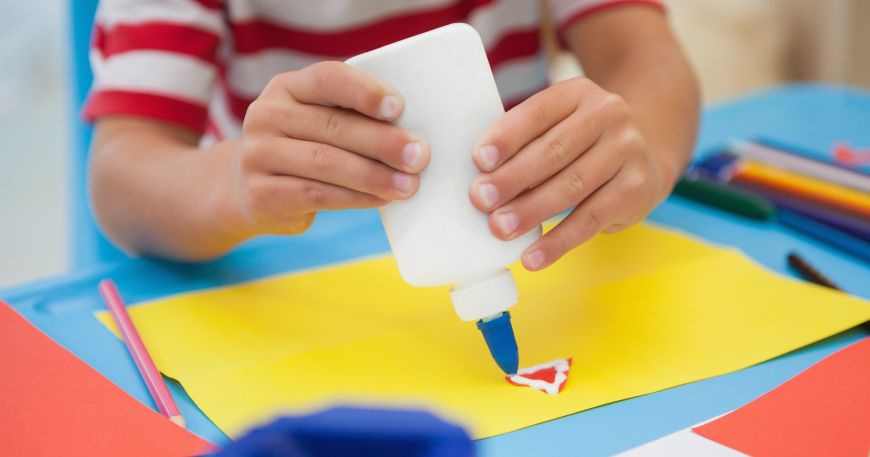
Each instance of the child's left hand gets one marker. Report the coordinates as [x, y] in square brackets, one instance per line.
[572, 145]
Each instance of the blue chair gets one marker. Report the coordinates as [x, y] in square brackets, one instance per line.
[89, 246]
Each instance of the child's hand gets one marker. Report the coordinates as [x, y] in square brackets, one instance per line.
[573, 145]
[319, 138]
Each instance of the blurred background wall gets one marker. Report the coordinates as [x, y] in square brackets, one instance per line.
[736, 46]
[33, 138]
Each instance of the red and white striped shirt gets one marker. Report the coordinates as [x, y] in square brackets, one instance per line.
[199, 63]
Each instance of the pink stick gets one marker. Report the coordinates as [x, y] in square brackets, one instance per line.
[156, 386]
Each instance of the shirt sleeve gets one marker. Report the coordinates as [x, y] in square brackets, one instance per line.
[155, 59]
[567, 12]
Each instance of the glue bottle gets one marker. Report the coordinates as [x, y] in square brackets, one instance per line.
[438, 237]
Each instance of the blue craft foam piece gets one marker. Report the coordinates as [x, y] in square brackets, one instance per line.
[359, 432]
[499, 336]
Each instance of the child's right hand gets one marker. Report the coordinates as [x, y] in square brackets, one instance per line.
[320, 138]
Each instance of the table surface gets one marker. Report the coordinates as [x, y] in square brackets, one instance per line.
[807, 115]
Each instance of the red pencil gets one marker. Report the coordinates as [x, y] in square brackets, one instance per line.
[159, 391]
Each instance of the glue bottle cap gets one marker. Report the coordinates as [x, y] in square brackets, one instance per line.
[477, 300]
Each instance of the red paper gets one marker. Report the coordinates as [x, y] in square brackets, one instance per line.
[52, 403]
[824, 411]
[547, 377]
[852, 157]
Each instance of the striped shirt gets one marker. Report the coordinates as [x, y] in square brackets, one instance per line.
[199, 63]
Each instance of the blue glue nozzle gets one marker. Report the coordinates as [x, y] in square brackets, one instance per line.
[499, 335]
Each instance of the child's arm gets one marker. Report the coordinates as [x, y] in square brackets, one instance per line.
[610, 147]
[314, 139]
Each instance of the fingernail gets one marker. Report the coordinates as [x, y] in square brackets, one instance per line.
[507, 223]
[488, 194]
[488, 156]
[412, 155]
[390, 106]
[535, 259]
[402, 182]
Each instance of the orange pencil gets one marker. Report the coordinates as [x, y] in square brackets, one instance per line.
[848, 200]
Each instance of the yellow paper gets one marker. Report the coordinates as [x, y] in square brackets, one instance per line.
[640, 311]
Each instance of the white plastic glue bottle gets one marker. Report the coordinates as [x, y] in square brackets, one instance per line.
[437, 236]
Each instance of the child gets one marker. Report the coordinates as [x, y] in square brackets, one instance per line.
[220, 120]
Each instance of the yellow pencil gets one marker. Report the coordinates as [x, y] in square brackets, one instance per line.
[757, 174]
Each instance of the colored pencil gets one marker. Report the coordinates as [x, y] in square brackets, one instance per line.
[801, 164]
[826, 234]
[718, 167]
[801, 151]
[809, 272]
[803, 187]
[813, 275]
[855, 226]
[153, 379]
[723, 196]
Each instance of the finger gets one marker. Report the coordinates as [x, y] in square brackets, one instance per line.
[539, 160]
[283, 198]
[617, 227]
[638, 189]
[332, 165]
[340, 84]
[612, 204]
[522, 124]
[355, 132]
[567, 189]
